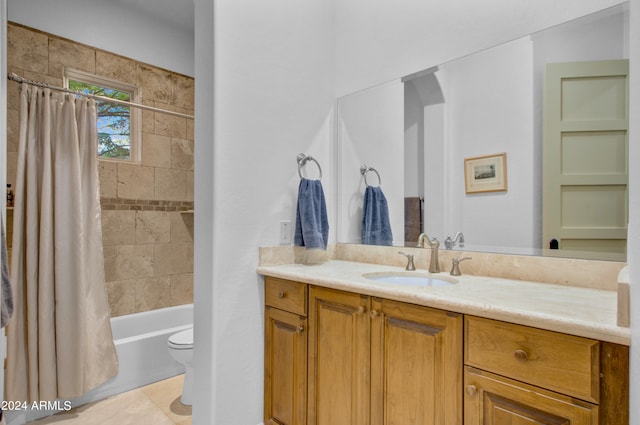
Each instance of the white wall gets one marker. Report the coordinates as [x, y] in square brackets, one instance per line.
[114, 26]
[272, 99]
[204, 355]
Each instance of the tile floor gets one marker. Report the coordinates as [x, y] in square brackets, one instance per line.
[155, 404]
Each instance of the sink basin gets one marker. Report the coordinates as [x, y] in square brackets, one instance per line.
[410, 279]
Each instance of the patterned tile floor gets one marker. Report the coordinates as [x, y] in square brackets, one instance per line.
[155, 404]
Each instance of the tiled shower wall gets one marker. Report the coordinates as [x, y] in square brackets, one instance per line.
[146, 219]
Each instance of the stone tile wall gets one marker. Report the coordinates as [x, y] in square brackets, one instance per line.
[147, 229]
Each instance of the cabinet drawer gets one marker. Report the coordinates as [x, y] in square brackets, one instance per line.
[563, 363]
[286, 295]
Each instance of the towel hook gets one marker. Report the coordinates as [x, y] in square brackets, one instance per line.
[364, 170]
[302, 160]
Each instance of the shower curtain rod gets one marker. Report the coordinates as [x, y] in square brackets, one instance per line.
[14, 77]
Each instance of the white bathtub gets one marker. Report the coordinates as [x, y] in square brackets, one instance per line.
[141, 344]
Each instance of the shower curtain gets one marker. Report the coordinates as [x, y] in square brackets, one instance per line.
[59, 340]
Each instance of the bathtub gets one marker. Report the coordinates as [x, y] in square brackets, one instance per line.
[141, 344]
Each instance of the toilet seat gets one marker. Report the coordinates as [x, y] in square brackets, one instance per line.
[182, 340]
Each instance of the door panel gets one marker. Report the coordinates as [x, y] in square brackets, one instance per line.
[596, 98]
[585, 156]
[594, 206]
[606, 153]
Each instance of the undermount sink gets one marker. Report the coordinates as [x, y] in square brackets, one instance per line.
[410, 279]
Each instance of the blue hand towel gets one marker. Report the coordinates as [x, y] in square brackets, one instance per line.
[376, 229]
[6, 301]
[312, 226]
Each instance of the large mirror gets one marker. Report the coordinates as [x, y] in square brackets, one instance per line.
[419, 132]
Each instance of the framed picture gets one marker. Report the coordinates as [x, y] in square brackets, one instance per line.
[485, 173]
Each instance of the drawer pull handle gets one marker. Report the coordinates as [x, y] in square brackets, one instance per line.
[471, 390]
[521, 355]
[282, 294]
[373, 314]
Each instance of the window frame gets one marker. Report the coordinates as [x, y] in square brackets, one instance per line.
[135, 117]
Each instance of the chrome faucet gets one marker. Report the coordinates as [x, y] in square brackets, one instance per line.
[410, 265]
[434, 244]
[457, 239]
[455, 266]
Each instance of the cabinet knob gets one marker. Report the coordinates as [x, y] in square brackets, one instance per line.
[360, 310]
[471, 390]
[521, 355]
[300, 329]
[373, 314]
[282, 294]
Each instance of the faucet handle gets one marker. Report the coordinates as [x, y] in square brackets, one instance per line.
[449, 242]
[410, 266]
[458, 260]
[455, 265]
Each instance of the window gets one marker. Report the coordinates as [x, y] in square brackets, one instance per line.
[118, 125]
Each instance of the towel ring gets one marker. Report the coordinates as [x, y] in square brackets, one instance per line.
[302, 160]
[364, 170]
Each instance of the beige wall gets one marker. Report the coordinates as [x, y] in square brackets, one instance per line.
[147, 235]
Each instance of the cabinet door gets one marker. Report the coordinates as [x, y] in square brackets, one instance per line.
[285, 374]
[416, 365]
[494, 400]
[339, 358]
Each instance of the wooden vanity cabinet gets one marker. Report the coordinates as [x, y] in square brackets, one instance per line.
[376, 361]
[334, 357]
[520, 375]
[285, 353]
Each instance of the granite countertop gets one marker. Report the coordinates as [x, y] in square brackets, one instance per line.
[590, 313]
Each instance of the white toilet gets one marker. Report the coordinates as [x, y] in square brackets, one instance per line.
[181, 349]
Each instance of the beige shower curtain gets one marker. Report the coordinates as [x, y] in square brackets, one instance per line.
[59, 339]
